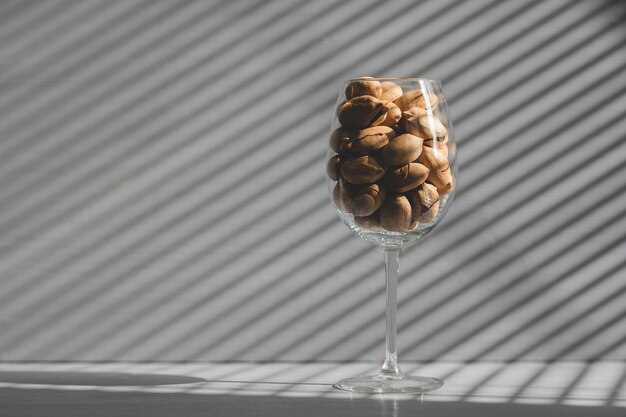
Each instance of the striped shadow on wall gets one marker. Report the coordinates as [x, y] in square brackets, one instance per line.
[162, 195]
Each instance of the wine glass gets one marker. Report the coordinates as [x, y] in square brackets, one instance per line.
[391, 174]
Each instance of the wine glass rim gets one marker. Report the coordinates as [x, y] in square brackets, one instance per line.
[397, 79]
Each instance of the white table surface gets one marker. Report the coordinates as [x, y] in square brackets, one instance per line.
[296, 389]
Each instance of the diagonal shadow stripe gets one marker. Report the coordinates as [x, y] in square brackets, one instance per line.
[9, 9]
[606, 326]
[28, 14]
[54, 24]
[574, 381]
[618, 387]
[618, 343]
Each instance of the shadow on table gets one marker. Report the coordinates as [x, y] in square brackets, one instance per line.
[19, 402]
[93, 378]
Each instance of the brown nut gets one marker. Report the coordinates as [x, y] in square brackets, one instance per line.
[406, 177]
[429, 214]
[339, 107]
[362, 170]
[371, 139]
[415, 98]
[413, 113]
[392, 115]
[395, 214]
[364, 86]
[443, 180]
[332, 167]
[431, 104]
[361, 112]
[368, 222]
[439, 143]
[391, 91]
[399, 129]
[428, 127]
[341, 197]
[424, 203]
[427, 194]
[402, 150]
[367, 199]
[435, 159]
[340, 139]
[408, 99]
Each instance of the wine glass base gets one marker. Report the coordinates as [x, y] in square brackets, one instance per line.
[381, 383]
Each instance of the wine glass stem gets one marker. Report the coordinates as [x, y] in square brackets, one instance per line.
[392, 260]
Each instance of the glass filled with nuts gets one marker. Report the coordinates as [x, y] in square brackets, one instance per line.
[391, 173]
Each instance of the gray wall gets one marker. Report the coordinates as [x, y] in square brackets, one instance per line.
[162, 195]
